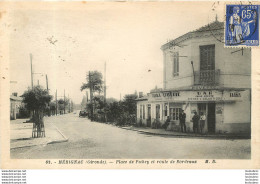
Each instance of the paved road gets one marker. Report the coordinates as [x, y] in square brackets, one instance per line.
[96, 140]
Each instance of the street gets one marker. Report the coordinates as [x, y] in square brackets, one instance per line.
[97, 140]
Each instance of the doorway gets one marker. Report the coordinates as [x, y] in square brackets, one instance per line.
[202, 108]
[149, 122]
[211, 117]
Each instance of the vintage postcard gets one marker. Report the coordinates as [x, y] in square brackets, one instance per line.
[127, 85]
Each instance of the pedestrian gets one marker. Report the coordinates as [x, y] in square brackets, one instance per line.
[202, 121]
[182, 118]
[195, 120]
[167, 122]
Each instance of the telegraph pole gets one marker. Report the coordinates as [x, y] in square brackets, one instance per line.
[56, 102]
[87, 95]
[47, 83]
[31, 71]
[64, 103]
[105, 92]
[69, 101]
[91, 95]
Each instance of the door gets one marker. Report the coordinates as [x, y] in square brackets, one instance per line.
[158, 112]
[201, 108]
[149, 115]
[211, 117]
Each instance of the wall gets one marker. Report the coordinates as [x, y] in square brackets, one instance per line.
[235, 69]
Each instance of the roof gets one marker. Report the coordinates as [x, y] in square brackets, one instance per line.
[214, 26]
[144, 98]
[16, 98]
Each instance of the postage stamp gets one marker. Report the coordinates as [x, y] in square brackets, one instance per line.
[242, 25]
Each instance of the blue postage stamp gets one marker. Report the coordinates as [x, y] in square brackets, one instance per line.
[242, 27]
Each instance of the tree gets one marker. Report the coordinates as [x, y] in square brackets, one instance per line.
[94, 84]
[36, 101]
[61, 103]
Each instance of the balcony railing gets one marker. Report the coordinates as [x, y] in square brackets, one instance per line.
[207, 77]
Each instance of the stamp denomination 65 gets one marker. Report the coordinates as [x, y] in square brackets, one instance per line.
[242, 25]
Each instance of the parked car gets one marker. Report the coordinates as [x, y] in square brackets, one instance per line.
[83, 114]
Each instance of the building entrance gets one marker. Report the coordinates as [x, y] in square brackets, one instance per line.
[149, 123]
[211, 117]
[209, 110]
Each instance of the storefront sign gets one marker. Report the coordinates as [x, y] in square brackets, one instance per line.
[202, 87]
[165, 94]
[193, 96]
[235, 94]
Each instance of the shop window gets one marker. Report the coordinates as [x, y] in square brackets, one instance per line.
[143, 111]
[149, 111]
[175, 64]
[157, 111]
[174, 113]
[166, 109]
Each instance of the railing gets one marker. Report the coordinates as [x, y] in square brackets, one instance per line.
[207, 77]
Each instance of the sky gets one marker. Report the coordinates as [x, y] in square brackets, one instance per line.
[68, 41]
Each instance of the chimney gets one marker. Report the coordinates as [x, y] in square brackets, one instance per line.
[14, 94]
[140, 94]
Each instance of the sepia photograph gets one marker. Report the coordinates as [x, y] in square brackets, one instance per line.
[93, 81]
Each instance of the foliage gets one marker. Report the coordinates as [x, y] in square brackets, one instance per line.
[94, 80]
[24, 112]
[36, 98]
[120, 112]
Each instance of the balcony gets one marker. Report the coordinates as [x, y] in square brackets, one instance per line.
[207, 77]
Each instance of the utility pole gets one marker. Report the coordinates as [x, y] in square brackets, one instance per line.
[69, 101]
[47, 83]
[91, 95]
[38, 83]
[87, 95]
[193, 72]
[105, 92]
[31, 71]
[56, 103]
[64, 103]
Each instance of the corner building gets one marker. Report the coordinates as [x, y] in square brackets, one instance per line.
[201, 75]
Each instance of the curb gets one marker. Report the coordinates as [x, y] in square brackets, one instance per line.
[59, 141]
[189, 135]
[60, 132]
[65, 139]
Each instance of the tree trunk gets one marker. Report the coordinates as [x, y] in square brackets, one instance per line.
[38, 124]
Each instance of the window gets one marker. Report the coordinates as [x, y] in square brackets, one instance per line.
[157, 111]
[207, 57]
[174, 113]
[165, 109]
[175, 64]
[149, 111]
[143, 111]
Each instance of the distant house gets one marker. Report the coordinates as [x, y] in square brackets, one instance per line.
[15, 103]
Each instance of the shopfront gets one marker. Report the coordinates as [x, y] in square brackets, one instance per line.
[226, 110]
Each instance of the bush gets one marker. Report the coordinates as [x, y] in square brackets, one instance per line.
[24, 113]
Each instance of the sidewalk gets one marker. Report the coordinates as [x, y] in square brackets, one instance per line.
[21, 134]
[162, 132]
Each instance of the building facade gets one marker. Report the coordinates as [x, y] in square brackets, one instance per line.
[202, 76]
[15, 105]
